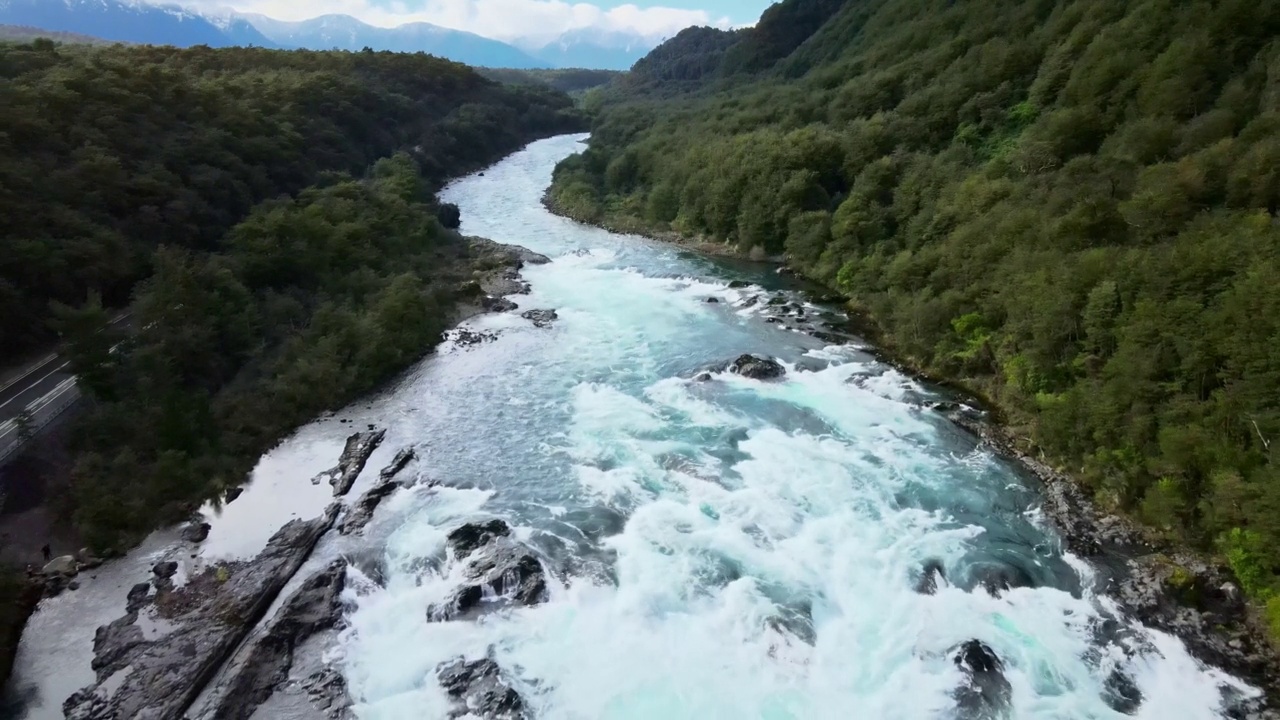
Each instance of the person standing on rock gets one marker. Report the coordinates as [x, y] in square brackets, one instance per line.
[47, 552]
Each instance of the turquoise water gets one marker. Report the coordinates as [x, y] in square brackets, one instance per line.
[722, 549]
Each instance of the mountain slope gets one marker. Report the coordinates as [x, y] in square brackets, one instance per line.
[133, 22]
[344, 32]
[1069, 205]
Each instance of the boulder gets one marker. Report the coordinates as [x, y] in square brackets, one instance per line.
[62, 565]
[738, 284]
[352, 461]
[165, 569]
[986, 691]
[87, 560]
[498, 571]
[473, 536]
[498, 304]
[137, 597]
[232, 493]
[196, 532]
[540, 318]
[751, 301]
[466, 338]
[931, 574]
[478, 690]
[711, 300]
[362, 512]
[757, 368]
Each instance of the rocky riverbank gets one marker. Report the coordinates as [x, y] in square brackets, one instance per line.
[1171, 588]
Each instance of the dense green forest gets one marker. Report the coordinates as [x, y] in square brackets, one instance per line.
[1068, 205]
[573, 81]
[270, 219]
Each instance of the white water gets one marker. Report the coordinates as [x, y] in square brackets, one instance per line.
[726, 549]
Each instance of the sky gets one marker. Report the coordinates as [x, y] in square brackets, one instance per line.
[527, 22]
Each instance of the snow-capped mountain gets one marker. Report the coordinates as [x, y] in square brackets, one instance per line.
[594, 48]
[132, 21]
[347, 33]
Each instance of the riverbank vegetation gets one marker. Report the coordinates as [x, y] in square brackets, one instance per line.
[1069, 206]
[270, 218]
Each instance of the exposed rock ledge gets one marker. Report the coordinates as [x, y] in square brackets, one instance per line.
[194, 629]
[155, 661]
[1181, 593]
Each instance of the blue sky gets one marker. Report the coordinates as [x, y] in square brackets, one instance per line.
[524, 22]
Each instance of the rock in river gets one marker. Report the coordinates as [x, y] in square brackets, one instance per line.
[196, 532]
[986, 691]
[478, 690]
[362, 512]
[498, 570]
[540, 318]
[757, 368]
[63, 565]
[354, 456]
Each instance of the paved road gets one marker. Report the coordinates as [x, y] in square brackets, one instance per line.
[36, 381]
[43, 390]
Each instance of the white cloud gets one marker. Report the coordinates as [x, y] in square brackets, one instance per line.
[529, 22]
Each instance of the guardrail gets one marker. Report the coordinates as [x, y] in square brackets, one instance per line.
[14, 436]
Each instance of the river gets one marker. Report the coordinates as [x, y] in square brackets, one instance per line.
[726, 549]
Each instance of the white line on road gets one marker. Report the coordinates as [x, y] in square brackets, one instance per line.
[59, 369]
[33, 369]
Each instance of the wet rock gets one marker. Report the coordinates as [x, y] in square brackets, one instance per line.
[73, 585]
[208, 617]
[986, 691]
[352, 461]
[757, 368]
[1196, 600]
[997, 579]
[196, 532]
[751, 301]
[62, 565]
[87, 560]
[711, 300]
[1121, 693]
[262, 665]
[786, 271]
[829, 337]
[702, 377]
[540, 318]
[467, 338]
[738, 284]
[473, 536]
[327, 689]
[114, 642]
[137, 597]
[165, 569]
[777, 300]
[513, 254]
[945, 406]
[498, 571]
[478, 690]
[362, 512]
[498, 304]
[232, 493]
[931, 574]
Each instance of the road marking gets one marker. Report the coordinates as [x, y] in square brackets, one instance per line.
[46, 377]
[34, 368]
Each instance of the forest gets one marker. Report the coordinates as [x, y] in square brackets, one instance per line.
[1067, 206]
[269, 219]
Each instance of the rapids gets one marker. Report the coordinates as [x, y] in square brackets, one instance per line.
[722, 549]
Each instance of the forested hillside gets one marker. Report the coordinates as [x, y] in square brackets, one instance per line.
[270, 217]
[1069, 205]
